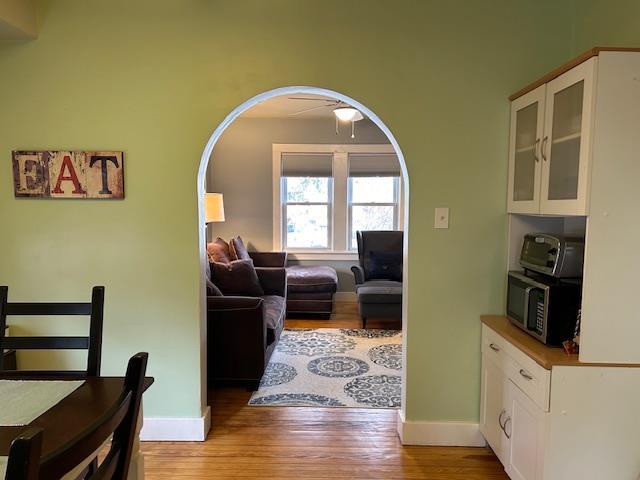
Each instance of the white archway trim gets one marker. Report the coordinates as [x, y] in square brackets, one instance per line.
[202, 171]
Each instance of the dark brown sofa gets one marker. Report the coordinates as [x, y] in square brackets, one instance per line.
[242, 332]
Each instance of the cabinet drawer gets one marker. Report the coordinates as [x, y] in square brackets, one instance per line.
[533, 379]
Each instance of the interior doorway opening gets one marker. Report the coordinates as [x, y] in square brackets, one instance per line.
[307, 210]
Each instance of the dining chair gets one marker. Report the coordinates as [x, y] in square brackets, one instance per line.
[92, 342]
[119, 422]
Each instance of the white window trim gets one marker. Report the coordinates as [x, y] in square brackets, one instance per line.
[339, 208]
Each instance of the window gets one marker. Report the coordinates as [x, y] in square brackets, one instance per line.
[307, 208]
[372, 193]
[323, 194]
[373, 205]
[307, 193]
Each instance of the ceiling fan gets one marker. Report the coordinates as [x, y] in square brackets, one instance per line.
[343, 111]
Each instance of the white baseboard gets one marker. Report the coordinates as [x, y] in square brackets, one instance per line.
[161, 429]
[453, 434]
[345, 297]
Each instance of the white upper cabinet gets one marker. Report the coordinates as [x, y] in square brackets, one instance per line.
[566, 142]
[550, 145]
[527, 130]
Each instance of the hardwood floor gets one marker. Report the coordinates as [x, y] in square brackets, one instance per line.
[310, 443]
[345, 316]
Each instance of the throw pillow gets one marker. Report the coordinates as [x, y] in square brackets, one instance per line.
[238, 249]
[219, 251]
[385, 266]
[212, 290]
[238, 277]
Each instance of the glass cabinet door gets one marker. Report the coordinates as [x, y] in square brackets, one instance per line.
[527, 116]
[564, 146]
[525, 154]
[564, 157]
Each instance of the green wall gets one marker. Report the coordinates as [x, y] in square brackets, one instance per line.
[155, 77]
[603, 23]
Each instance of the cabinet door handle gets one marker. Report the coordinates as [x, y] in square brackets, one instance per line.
[500, 419]
[494, 347]
[535, 150]
[525, 374]
[504, 429]
[544, 146]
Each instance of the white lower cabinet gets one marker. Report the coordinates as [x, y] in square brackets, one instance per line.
[525, 424]
[514, 406]
[493, 408]
[577, 421]
[512, 424]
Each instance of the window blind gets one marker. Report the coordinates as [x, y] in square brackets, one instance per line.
[307, 165]
[373, 165]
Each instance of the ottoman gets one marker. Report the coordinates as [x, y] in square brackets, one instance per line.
[310, 290]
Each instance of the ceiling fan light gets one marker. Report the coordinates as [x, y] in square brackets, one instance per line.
[346, 114]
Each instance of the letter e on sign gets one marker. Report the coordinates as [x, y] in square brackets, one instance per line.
[30, 178]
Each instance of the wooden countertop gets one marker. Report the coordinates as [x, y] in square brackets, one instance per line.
[544, 355]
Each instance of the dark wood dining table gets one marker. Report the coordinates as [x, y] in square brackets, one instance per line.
[72, 415]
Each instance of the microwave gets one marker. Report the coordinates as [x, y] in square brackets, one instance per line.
[544, 307]
[553, 255]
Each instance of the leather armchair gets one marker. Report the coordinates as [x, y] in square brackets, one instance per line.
[378, 276]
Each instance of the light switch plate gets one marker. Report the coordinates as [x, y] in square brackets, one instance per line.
[442, 218]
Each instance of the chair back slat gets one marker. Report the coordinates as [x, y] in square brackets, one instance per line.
[24, 456]
[57, 308]
[108, 466]
[119, 422]
[92, 343]
[56, 464]
[46, 343]
[94, 356]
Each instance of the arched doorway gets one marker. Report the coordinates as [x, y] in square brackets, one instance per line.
[201, 186]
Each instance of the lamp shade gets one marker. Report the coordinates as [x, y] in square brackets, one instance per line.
[213, 207]
[348, 114]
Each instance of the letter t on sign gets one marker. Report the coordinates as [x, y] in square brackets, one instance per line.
[105, 175]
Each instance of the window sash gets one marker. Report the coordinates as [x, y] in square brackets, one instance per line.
[284, 217]
[395, 204]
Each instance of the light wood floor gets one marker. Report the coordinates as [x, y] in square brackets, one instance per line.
[345, 315]
[310, 443]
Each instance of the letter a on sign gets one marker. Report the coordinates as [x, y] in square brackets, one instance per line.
[68, 173]
[64, 174]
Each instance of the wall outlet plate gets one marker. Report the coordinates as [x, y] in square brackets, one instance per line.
[442, 218]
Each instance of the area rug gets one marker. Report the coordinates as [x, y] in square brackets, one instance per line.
[330, 367]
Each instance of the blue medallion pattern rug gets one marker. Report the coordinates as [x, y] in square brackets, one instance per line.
[330, 367]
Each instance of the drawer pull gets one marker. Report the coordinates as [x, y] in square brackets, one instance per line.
[526, 375]
[494, 347]
[504, 429]
[500, 419]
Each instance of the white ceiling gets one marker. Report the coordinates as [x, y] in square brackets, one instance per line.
[283, 107]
